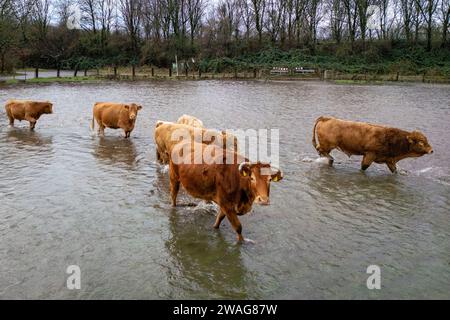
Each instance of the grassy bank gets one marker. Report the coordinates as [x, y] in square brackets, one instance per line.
[373, 58]
[53, 80]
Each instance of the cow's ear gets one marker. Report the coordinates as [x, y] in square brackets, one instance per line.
[277, 176]
[410, 139]
[139, 107]
[244, 169]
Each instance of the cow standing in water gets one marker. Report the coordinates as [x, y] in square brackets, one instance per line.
[375, 143]
[168, 134]
[27, 110]
[234, 185]
[115, 116]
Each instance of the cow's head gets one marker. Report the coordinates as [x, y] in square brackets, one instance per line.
[418, 143]
[133, 110]
[260, 175]
[47, 107]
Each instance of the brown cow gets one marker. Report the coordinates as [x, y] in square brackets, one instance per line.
[115, 116]
[190, 121]
[375, 143]
[233, 187]
[27, 110]
[165, 132]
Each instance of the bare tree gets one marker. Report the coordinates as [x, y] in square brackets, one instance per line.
[444, 10]
[351, 12]
[195, 12]
[246, 17]
[427, 8]
[259, 9]
[337, 16]
[131, 14]
[275, 10]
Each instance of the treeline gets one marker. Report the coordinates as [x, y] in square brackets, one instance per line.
[87, 34]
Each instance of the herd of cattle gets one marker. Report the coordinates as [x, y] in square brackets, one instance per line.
[235, 186]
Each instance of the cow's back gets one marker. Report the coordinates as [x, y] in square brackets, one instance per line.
[16, 108]
[190, 120]
[216, 181]
[352, 137]
[108, 113]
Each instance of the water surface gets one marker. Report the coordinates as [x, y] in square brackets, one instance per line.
[68, 197]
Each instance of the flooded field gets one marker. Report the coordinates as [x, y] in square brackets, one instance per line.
[69, 197]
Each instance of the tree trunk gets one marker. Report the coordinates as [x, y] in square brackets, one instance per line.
[429, 33]
[36, 72]
[2, 68]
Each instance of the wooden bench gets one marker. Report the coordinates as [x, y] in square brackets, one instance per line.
[302, 70]
[279, 70]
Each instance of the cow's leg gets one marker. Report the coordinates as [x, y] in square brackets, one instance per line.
[392, 166]
[101, 129]
[236, 224]
[174, 187]
[325, 152]
[330, 159]
[367, 160]
[158, 156]
[219, 219]
[11, 120]
[327, 155]
[32, 122]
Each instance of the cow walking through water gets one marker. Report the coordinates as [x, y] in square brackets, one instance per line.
[115, 116]
[168, 134]
[27, 110]
[233, 185]
[376, 143]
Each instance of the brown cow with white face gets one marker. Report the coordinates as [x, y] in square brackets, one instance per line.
[115, 116]
[375, 143]
[233, 185]
[27, 110]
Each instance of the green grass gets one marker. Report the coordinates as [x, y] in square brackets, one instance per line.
[63, 79]
[360, 82]
[53, 80]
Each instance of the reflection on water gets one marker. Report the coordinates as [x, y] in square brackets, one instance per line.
[205, 264]
[25, 137]
[68, 197]
[115, 150]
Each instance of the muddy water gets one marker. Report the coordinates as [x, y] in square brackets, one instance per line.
[68, 197]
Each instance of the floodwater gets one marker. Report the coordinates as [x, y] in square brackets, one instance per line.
[68, 197]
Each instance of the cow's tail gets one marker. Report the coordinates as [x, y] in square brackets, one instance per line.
[93, 123]
[320, 119]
